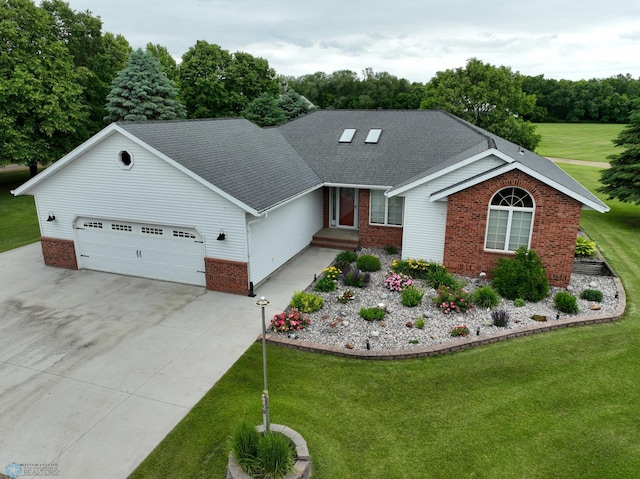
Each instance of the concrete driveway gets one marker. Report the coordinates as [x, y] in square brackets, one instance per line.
[96, 368]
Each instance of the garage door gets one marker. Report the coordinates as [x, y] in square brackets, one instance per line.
[169, 253]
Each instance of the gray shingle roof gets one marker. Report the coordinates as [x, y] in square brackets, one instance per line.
[263, 167]
[412, 142]
[257, 166]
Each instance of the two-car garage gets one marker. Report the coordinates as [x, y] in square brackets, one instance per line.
[169, 253]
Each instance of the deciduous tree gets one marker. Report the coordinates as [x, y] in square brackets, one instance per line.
[40, 87]
[487, 96]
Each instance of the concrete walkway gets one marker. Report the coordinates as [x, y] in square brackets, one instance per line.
[96, 368]
[596, 164]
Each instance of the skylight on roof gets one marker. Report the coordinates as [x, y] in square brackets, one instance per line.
[347, 135]
[374, 135]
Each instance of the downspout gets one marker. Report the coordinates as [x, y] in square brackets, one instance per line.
[262, 217]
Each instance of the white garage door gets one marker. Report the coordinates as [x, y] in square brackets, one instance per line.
[150, 251]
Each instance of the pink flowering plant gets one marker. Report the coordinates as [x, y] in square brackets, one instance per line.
[397, 281]
[462, 330]
[453, 300]
[287, 321]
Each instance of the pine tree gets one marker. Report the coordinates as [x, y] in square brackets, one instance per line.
[622, 179]
[142, 91]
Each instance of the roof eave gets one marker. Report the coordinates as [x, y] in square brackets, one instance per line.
[593, 204]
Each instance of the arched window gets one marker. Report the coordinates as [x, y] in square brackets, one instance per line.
[510, 220]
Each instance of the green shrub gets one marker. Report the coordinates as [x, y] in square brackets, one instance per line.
[500, 318]
[368, 262]
[372, 314]
[306, 302]
[276, 455]
[451, 300]
[390, 249]
[486, 297]
[519, 302]
[592, 295]
[419, 323]
[522, 276]
[565, 302]
[244, 446]
[416, 268]
[439, 276]
[325, 285]
[411, 296]
[356, 278]
[347, 256]
[585, 248]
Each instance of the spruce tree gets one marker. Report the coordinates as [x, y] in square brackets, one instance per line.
[622, 179]
[142, 91]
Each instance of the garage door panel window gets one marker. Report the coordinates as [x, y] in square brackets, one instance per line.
[510, 220]
[119, 227]
[151, 231]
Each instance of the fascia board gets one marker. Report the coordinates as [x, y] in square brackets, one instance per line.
[449, 169]
[513, 166]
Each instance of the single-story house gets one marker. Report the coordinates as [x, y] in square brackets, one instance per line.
[223, 203]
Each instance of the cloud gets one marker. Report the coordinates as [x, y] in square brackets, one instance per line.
[411, 39]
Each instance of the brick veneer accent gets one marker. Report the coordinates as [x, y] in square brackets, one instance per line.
[226, 276]
[59, 252]
[325, 207]
[375, 236]
[555, 227]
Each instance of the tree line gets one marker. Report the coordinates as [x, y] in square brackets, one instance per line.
[62, 79]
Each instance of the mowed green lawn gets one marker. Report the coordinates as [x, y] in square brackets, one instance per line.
[580, 141]
[562, 404]
[18, 222]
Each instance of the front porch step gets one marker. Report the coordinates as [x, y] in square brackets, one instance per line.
[335, 243]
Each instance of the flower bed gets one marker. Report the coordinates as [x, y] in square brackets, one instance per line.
[339, 324]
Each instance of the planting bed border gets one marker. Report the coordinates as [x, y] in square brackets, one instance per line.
[460, 344]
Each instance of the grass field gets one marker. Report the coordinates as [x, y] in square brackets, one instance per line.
[580, 141]
[563, 404]
[18, 222]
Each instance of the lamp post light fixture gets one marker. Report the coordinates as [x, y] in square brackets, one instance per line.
[263, 303]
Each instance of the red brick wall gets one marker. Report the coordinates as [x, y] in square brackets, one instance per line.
[59, 252]
[555, 227]
[375, 236]
[226, 276]
[325, 207]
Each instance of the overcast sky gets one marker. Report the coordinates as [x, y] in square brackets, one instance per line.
[413, 39]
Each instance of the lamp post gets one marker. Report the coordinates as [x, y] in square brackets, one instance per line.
[263, 303]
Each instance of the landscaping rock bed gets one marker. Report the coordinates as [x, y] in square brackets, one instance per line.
[340, 325]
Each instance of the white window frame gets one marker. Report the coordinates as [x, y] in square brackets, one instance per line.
[386, 210]
[510, 210]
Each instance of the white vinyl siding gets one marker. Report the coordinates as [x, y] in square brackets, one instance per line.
[425, 221]
[282, 234]
[152, 192]
[385, 211]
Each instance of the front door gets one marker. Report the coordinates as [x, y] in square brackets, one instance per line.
[344, 207]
